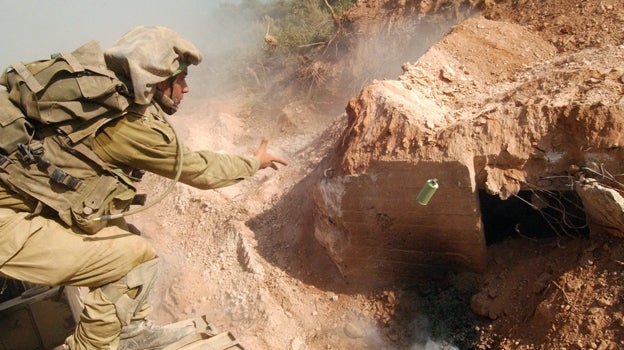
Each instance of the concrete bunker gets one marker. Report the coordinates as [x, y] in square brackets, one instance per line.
[497, 140]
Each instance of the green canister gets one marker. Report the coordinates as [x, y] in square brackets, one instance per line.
[427, 191]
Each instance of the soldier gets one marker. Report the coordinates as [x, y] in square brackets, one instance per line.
[117, 266]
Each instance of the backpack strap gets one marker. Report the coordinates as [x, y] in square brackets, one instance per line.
[73, 62]
[86, 152]
[27, 76]
[33, 154]
[58, 175]
[76, 66]
[7, 165]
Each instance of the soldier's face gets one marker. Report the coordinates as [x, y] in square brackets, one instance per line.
[177, 89]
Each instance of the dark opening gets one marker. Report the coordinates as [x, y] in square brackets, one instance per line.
[10, 288]
[534, 214]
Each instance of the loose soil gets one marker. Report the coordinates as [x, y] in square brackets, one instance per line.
[246, 256]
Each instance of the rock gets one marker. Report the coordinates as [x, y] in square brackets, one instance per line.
[447, 73]
[542, 282]
[603, 205]
[297, 344]
[573, 285]
[480, 304]
[353, 331]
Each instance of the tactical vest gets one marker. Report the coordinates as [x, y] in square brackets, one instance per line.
[47, 115]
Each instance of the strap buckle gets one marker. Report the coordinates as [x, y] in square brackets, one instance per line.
[4, 162]
[25, 154]
[61, 177]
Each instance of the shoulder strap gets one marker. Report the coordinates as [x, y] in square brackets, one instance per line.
[27, 76]
[73, 62]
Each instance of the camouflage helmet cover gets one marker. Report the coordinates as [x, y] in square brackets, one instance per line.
[149, 55]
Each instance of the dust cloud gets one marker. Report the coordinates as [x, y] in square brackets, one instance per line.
[239, 68]
[244, 89]
[231, 38]
[239, 61]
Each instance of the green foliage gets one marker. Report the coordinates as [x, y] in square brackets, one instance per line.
[341, 6]
[306, 24]
[261, 42]
[297, 25]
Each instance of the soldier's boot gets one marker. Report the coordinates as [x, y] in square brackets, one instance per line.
[143, 335]
[129, 295]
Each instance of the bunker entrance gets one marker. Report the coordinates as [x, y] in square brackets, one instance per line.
[532, 214]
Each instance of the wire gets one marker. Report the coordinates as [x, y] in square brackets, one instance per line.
[565, 220]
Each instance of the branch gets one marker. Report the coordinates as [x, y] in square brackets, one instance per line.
[337, 24]
[335, 18]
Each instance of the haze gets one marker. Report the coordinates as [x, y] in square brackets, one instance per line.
[33, 30]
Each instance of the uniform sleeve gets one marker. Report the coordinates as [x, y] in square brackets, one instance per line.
[147, 142]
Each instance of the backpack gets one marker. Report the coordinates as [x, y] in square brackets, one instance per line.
[71, 91]
[49, 109]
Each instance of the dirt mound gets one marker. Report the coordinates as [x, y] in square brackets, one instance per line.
[569, 25]
[367, 213]
[521, 117]
[246, 256]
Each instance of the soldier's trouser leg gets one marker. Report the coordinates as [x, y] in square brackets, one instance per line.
[128, 297]
[55, 255]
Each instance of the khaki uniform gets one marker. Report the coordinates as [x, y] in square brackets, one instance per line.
[42, 249]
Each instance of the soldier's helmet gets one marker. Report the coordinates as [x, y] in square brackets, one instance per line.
[148, 55]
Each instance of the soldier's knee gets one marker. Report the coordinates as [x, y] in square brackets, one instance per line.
[129, 294]
[137, 247]
[146, 251]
